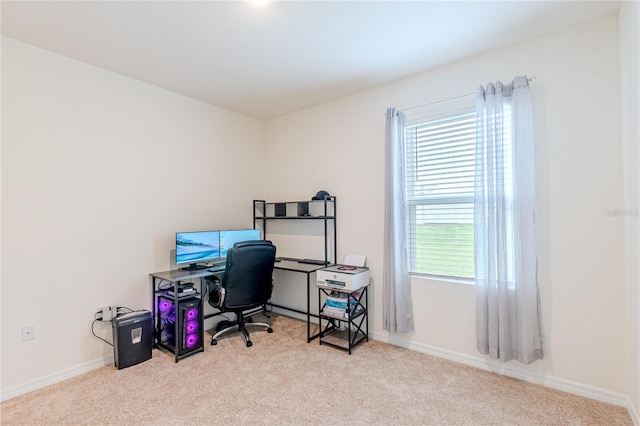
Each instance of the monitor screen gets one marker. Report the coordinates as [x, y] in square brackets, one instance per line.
[229, 238]
[197, 247]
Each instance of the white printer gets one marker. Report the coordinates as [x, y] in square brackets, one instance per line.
[343, 277]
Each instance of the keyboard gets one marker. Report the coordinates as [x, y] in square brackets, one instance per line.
[293, 259]
[312, 261]
[216, 268]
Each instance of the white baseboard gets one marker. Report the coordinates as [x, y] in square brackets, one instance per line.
[634, 415]
[54, 378]
[553, 382]
[292, 314]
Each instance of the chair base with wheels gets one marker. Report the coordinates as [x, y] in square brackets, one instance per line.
[239, 324]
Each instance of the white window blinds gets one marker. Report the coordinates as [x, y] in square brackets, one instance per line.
[439, 165]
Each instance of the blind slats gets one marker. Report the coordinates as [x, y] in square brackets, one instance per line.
[440, 168]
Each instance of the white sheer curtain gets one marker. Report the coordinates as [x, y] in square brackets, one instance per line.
[506, 286]
[397, 307]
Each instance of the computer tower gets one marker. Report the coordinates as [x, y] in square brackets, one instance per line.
[180, 328]
[132, 338]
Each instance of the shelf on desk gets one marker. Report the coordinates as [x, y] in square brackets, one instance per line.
[343, 316]
[295, 217]
[181, 275]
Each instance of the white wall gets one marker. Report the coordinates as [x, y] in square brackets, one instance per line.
[339, 146]
[86, 153]
[629, 18]
[98, 173]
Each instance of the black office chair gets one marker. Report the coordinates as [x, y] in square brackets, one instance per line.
[246, 284]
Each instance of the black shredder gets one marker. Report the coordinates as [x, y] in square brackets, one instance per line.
[132, 338]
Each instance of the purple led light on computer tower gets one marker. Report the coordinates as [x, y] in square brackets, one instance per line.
[192, 326]
[165, 306]
[191, 340]
[192, 314]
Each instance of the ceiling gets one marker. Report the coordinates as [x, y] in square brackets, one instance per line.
[269, 60]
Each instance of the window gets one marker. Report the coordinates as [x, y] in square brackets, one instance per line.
[439, 167]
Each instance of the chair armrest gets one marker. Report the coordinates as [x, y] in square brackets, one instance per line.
[216, 292]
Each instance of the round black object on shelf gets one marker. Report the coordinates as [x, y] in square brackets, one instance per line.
[321, 195]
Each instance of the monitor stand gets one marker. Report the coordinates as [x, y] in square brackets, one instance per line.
[194, 267]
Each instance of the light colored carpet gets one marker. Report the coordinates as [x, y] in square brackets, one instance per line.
[284, 380]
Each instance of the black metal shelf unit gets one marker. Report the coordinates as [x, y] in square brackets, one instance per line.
[323, 210]
[344, 328]
[178, 317]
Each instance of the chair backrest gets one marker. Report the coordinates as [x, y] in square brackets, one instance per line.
[248, 278]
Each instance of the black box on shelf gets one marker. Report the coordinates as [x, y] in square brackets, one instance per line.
[281, 209]
[303, 208]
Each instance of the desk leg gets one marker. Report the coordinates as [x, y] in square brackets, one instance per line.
[152, 280]
[366, 319]
[308, 308]
[310, 338]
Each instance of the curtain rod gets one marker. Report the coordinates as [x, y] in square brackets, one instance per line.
[529, 80]
[439, 102]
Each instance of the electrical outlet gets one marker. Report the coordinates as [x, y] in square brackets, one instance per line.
[28, 332]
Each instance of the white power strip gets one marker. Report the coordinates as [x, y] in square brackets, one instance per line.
[108, 313]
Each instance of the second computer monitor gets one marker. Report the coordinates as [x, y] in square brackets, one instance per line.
[230, 237]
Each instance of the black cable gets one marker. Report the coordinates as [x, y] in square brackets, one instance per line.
[167, 286]
[119, 310]
[122, 310]
[93, 332]
[204, 291]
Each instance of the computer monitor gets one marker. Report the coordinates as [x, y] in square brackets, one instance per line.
[196, 248]
[229, 238]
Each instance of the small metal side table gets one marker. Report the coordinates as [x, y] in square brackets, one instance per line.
[343, 330]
